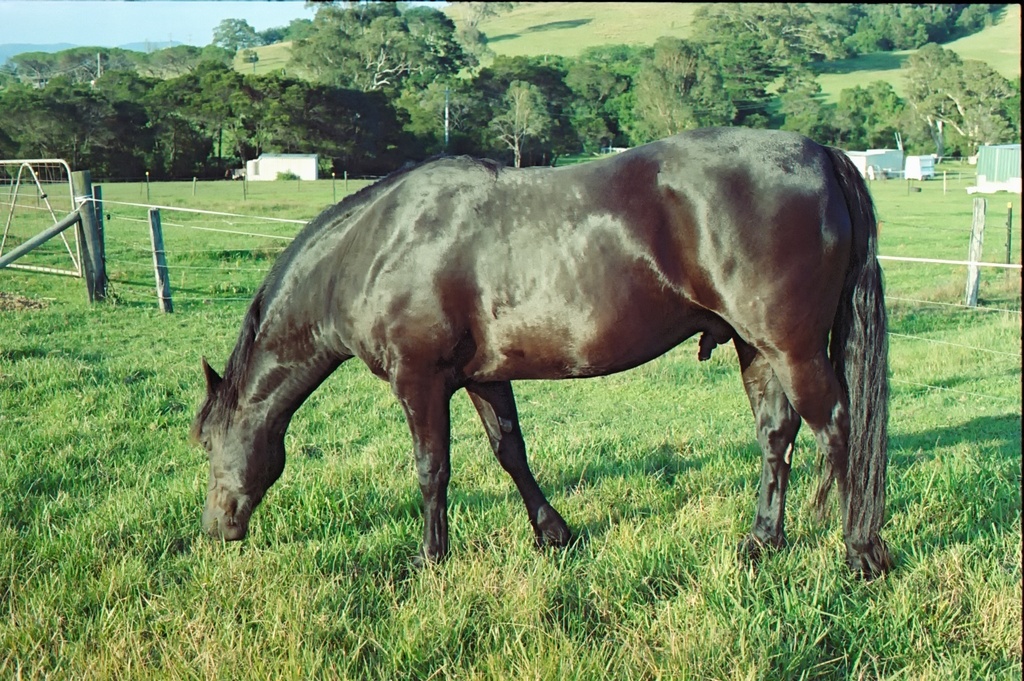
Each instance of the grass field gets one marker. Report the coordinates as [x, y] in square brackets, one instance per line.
[104, 573]
[568, 28]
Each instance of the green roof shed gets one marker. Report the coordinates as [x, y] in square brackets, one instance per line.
[999, 167]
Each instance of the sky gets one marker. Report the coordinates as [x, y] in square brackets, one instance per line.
[111, 23]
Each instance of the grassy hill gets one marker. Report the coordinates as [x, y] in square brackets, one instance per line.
[998, 45]
[272, 58]
[568, 28]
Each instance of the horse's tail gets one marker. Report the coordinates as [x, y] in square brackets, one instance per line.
[859, 352]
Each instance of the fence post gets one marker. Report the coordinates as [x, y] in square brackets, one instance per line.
[90, 235]
[1009, 231]
[974, 253]
[163, 282]
[97, 202]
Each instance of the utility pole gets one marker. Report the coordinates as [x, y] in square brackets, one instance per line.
[445, 117]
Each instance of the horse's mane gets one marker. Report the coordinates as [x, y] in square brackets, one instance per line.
[237, 365]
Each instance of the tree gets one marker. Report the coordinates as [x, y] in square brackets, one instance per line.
[595, 87]
[425, 109]
[800, 103]
[1012, 109]
[197, 107]
[181, 59]
[524, 116]
[886, 26]
[867, 117]
[970, 97]
[469, 33]
[491, 86]
[374, 47]
[678, 89]
[235, 34]
[756, 44]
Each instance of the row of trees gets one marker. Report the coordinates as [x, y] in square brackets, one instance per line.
[373, 85]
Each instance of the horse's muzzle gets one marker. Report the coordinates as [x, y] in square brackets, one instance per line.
[224, 526]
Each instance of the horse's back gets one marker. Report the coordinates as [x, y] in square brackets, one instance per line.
[592, 268]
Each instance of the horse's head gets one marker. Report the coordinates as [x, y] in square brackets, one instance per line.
[245, 458]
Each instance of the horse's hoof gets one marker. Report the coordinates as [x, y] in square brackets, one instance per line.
[550, 529]
[869, 561]
[426, 558]
[753, 548]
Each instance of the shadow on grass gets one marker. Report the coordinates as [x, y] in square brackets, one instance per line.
[367, 509]
[40, 352]
[990, 497]
[876, 61]
[1005, 430]
[539, 28]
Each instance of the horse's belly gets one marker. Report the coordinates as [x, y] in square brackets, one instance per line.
[574, 342]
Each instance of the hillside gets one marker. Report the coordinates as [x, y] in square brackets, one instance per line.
[998, 45]
[568, 28]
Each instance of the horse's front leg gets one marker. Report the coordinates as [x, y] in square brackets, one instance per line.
[497, 408]
[425, 400]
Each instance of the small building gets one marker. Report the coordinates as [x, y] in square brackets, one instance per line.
[998, 169]
[268, 166]
[878, 163]
[919, 168]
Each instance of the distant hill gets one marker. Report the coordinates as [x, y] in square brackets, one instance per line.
[8, 50]
[150, 46]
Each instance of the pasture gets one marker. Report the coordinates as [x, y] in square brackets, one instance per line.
[104, 572]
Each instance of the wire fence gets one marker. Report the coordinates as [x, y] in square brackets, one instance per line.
[221, 257]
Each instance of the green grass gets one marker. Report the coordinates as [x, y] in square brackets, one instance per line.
[271, 58]
[568, 28]
[104, 573]
[998, 45]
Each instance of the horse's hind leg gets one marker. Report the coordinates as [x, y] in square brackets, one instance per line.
[777, 426]
[815, 392]
[497, 408]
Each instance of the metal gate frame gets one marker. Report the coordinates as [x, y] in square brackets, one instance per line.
[27, 165]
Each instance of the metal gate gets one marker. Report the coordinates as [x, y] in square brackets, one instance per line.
[35, 196]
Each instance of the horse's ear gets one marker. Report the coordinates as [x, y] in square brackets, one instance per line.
[212, 379]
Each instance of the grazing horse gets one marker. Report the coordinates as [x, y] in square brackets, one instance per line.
[459, 273]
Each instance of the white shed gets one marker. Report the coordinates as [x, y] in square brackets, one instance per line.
[878, 162]
[919, 168]
[267, 166]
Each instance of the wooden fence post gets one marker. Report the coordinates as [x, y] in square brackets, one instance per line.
[90, 235]
[97, 202]
[974, 253]
[163, 282]
[1009, 232]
